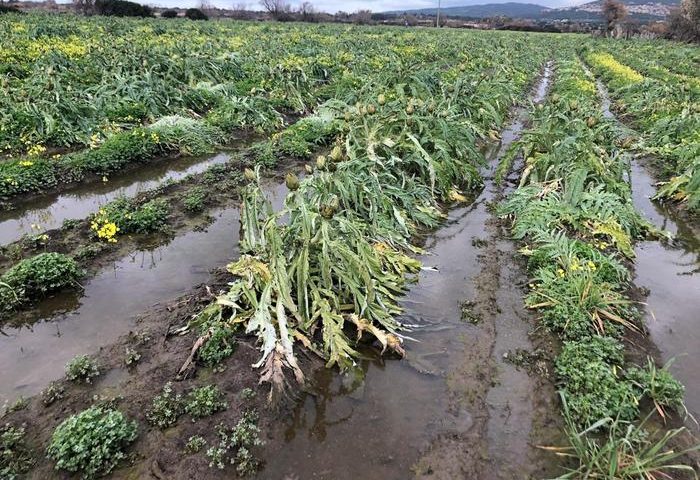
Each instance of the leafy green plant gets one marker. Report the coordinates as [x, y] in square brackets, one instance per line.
[92, 442]
[239, 439]
[659, 386]
[166, 408]
[82, 368]
[195, 199]
[593, 381]
[52, 394]
[205, 401]
[626, 452]
[37, 277]
[194, 444]
[15, 457]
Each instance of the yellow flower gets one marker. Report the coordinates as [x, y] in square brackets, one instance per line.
[26, 163]
[560, 272]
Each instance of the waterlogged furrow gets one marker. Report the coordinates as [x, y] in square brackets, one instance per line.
[49, 212]
[664, 108]
[106, 308]
[574, 213]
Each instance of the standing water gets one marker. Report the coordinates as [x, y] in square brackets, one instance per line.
[107, 307]
[452, 408]
[48, 212]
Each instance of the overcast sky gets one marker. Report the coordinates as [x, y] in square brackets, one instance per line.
[333, 6]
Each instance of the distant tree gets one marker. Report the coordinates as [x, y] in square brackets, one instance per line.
[278, 9]
[195, 14]
[240, 11]
[169, 14]
[307, 12]
[684, 23]
[85, 7]
[122, 8]
[614, 12]
[362, 17]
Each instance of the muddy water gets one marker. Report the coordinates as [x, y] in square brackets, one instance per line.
[671, 273]
[48, 212]
[452, 408]
[110, 301]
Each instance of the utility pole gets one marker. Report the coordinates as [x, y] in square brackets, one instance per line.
[437, 23]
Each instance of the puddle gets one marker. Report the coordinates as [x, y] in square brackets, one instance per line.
[432, 413]
[49, 211]
[671, 272]
[672, 275]
[111, 300]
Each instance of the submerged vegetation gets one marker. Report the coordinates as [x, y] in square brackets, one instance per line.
[395, 127]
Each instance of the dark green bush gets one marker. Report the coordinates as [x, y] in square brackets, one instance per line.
[122, 8]
[593, 381]
[131, 218]
[36, 277]
[169, 14]
[195, 14]
[92, 442]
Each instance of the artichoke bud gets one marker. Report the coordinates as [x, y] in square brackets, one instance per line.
[337, 154]
[291, 181]
[249, 174]
[309, 169]
[410, 109]
[371, 109]
[381, 99]
[320, 162]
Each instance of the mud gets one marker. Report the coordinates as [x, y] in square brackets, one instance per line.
[156, 454]
[453, 408]
[107, 306]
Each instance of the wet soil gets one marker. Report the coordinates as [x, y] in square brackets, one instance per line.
[156, 454]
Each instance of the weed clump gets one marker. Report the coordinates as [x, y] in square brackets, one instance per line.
[195, 199]
[166, 408]
[15, 456]
[36, 277]
[235, 445]
[205, 401]
[82, 368]
[92, 442]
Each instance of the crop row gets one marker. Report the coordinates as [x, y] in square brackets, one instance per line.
[665, 107]
[574, 214]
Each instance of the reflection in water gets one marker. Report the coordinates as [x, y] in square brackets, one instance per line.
[48, 212]
[106, 308]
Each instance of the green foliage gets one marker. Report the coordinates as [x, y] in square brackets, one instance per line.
[195, 199]
[205, 401]
[626, 452]
[52, 394]
[132, 356]
[131, 217]
[220, 345]
[593, 381]
[658, 385]
[92, 442]
[36, 277]
[194, 444]
[166, 408]
[82, 368]
[239, 439]
[15, 457]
